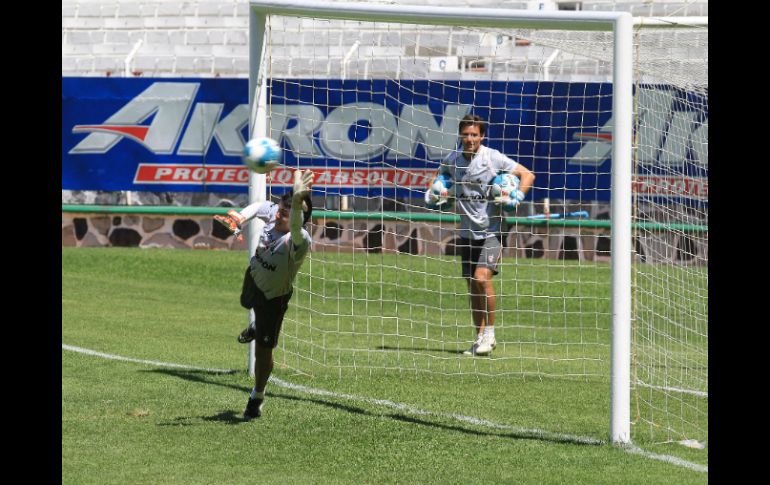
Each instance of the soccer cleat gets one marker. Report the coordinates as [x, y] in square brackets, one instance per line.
[474, 347]
[249, 333]
[232, 222]
[486, 346]
[472, 350]
[253, 409]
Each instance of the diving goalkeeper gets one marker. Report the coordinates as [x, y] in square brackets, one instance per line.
[269, 279]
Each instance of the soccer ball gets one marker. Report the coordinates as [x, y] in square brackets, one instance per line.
[504, 185]
[261, 154]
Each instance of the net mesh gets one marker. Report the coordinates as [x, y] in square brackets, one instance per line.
[373, 107]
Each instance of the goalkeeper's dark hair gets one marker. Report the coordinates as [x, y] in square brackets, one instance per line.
[308, 202]
[473, 120]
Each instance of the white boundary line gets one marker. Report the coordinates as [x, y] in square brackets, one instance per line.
[535, 433]
[674, 389]
[140, 361]
[635, 450]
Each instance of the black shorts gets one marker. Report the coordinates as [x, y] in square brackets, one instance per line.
[268, 314]
[480, 252]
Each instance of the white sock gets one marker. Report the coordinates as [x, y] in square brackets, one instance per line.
[257, 395]
[489, 331]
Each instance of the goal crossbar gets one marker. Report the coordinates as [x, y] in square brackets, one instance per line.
[451, 16]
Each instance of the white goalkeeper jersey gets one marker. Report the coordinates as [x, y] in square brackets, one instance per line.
[480, 218]
[277, 260]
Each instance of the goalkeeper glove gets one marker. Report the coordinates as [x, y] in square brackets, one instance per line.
[436, 201]
[509, 202]
[302, 183]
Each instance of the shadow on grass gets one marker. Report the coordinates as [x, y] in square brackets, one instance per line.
[234, 417]
[227, 417]
[204, 377]
[420, 349]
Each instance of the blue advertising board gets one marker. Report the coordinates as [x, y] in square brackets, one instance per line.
[178, 135]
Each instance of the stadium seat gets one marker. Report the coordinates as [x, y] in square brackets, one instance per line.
[98, 35]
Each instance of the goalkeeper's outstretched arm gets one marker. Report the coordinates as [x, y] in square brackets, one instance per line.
[302, 183]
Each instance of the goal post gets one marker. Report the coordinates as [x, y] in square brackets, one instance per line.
[257, 127]
[334, 99]
[622, 113]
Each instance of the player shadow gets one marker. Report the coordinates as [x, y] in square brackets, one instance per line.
[230, 417]
[514, 434]
[517, 434]
[227, 417]
[199, 376]
[420, 349]
[234, 417]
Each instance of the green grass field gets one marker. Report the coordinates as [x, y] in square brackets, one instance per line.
[370, 386]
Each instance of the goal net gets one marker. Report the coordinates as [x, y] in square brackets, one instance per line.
[670, 215]
[373, 107]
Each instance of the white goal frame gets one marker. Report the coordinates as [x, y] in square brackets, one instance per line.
[620, 23]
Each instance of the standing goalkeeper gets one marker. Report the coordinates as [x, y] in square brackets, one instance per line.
[269, 279]
[472, 169]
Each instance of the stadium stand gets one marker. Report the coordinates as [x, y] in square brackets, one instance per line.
[169, 38]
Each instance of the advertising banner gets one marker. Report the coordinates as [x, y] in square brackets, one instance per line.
[187, 135]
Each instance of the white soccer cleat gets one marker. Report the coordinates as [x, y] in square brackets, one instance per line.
[486, 346]
[474, 348]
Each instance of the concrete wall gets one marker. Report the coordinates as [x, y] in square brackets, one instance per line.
[526, 241]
